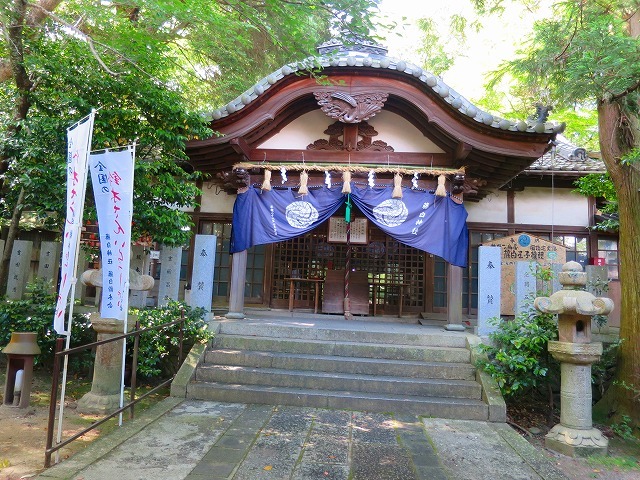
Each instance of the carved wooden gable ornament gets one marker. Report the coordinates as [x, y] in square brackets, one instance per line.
[350, 108]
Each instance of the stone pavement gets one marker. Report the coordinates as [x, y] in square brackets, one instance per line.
[196, 440]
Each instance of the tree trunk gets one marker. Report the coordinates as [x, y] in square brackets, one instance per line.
[616, 139]
[8, 246]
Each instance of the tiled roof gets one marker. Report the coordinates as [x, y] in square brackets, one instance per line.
[567, 158]
[368, 55]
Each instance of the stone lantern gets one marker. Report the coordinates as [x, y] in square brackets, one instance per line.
[21, 351]
[575, 435]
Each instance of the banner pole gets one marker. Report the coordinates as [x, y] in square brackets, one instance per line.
[124, 351]
[126, 303]
[74, 279]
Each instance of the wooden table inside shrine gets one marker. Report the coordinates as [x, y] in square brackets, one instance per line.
[317, 281]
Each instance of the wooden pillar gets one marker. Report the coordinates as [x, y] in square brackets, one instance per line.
[238, 278]
[454, 299]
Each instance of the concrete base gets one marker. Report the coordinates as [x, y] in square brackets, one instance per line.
[576, 442]
[235, 315]
[455, 327]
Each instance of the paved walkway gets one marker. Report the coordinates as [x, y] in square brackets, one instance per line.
[195, 440]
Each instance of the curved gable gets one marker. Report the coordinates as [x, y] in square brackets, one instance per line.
[256, 125]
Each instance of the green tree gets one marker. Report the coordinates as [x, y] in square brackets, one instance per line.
[149, 67]
[588, 53]
[437, 52]
[600, 186]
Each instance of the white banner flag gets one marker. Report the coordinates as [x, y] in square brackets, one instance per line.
[112, 178]
[78, 146]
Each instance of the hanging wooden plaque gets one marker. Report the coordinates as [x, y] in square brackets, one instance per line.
[338, 230]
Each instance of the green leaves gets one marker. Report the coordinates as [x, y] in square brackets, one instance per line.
[517, 357]
[170, 61]
[35, 313]
[158, 349]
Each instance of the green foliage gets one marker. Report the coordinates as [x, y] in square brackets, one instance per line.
[158, 349]
[631, 157]
[603, 370]
[150, 69]
[617, 463]
[436, 57]
[517, 357]
[35, 314]
[580, 54]
[624, 429]
[600, 186]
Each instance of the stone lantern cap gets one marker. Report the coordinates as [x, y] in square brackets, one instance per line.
[22, 343]
[572, 298]
[137, 282]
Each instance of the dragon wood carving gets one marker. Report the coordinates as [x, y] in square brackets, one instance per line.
[348, 108]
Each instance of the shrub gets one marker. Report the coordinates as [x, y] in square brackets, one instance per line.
[34, 313]
[518, 358]
[158, 349]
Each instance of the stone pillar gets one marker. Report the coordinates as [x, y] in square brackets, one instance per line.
[139, 264]
[575, 435]
[454, 299]
[104, 396]
[489, 288]
[19, 269]
[238, 278]
[204, 254]
[169, 286]
[525, 286]
[81, 288]
[556, 268]
[49, 261]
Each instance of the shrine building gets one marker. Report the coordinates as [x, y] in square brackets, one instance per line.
[423, 176]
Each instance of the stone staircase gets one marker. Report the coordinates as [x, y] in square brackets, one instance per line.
[365, 366]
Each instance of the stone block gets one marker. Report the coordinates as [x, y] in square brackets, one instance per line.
[204, 254]
[19, 269]
[489, 288]
[49, 262]
[170, 258]
[526, 283]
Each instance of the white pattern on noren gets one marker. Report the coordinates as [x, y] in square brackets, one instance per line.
[301, 214]
[392, 212]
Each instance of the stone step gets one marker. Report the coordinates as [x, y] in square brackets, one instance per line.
[329, 363]
[346, 332]
[464, 409]
[344, 348]
[339, 381]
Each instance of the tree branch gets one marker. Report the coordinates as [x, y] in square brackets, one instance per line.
[626, 91]
[33, 18]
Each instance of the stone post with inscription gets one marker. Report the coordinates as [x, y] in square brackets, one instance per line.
[170, 259]
[575, 435]
[489, 275]
[49, 261]
[204, 254]
[525, 285]
[140, 264]
[19, 269]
